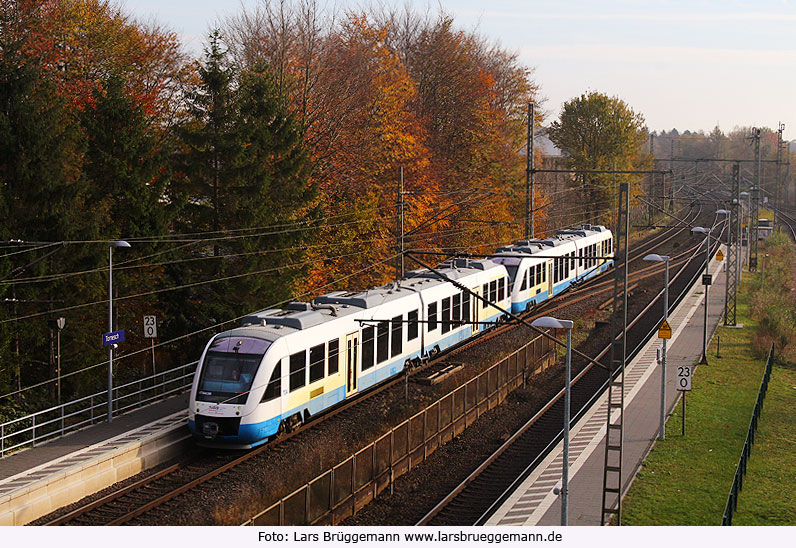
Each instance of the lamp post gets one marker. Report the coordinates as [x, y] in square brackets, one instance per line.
[111, 245]
[60, 323]
[654, 257]
[706, 232]
[726, 213]
[748, 216]
[550, 322]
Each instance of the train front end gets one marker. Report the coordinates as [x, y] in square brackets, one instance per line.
[231, 377]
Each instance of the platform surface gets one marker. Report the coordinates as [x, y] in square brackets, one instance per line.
[35, 463]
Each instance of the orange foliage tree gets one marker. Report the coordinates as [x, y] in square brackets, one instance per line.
[82, 43]
[376, 92]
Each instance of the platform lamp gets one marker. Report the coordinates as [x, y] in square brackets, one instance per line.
[550, 322]
[706, 232]
[111, 245]
[654, 257]
[748, 214]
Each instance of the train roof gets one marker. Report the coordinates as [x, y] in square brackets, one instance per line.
[273, 323]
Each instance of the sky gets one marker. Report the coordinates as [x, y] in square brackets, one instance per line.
[685, 64]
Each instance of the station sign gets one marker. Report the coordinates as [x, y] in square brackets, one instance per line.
[113, 337]
[684, 378]
[707, 279]
[665, 330]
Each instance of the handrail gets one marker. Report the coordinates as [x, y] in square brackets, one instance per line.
[740, 471]
[56, 421]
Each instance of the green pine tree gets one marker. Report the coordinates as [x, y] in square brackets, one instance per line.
[243, 166]
[42, 197]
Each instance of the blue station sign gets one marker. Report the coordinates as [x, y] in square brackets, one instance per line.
[113, 338]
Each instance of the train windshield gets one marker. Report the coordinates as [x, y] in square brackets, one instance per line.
[228, 369]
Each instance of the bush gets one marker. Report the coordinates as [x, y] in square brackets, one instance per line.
[773, 297]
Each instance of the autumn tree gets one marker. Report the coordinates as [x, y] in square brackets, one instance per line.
[598, 132]
[243, 170]
[42, 197]
[472, 97]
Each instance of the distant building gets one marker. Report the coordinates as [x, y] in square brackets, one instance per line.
[543, 143]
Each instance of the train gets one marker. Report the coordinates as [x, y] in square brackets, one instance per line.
[765, 227]
[283, 366]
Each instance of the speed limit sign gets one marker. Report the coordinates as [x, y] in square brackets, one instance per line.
[684, 378]
[150, 327]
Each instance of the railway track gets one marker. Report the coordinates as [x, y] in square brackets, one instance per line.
[148, 494]
[475, 498]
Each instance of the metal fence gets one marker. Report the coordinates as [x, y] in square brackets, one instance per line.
[36, 428]
[341, 491]
[740, 471]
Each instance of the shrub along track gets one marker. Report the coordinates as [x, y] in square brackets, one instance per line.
[277, 468]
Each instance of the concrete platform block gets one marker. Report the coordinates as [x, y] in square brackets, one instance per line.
[127, 470]
[7, 518]
[32, 511]
[60, 498]
[76, 492]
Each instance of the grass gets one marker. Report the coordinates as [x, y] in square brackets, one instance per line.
[686, 480]
[768, 496]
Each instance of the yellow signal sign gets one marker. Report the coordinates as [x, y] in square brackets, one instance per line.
[719, 255]
[665, 331]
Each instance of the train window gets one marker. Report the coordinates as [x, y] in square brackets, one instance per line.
[382, 342]
[539, 271]
[316, 362]
[367, 347]
[571, 261]
[274, 385]
[456, 315]
[501, 289]
[298, 370]
[485, 295]
[334, 356]
[465, 307]
[524, 284]
[432, 316]
[493, 291]
[446, 315]
[397, 335]
[411, 330]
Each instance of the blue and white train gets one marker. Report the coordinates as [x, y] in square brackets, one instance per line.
[283, 366]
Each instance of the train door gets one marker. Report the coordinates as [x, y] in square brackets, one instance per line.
[550, 278]
[475, 303]
[351, 351]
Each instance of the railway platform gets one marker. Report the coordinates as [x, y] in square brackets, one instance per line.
[534, 501]
[36, 481]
